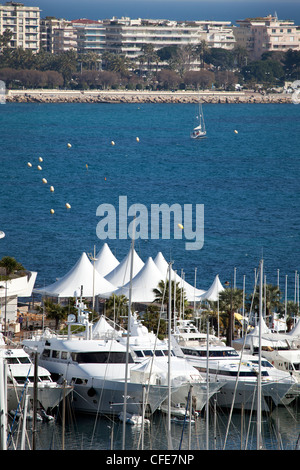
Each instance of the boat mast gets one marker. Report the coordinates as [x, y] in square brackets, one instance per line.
[170, 445]
[258, 430]
[128, 338]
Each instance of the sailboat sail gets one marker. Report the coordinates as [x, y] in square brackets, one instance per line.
[199, 131]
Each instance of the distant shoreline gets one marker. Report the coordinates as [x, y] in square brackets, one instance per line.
[117, 96]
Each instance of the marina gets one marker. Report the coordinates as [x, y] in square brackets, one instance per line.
[237, 179]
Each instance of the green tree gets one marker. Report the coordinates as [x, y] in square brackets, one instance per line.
[230, 300]
[263, 71]
[10, 264]
[292, 64]
[116, 307]
[162, 295]
[153, 322]
[5, 38]
[56, 312]
[200, 50]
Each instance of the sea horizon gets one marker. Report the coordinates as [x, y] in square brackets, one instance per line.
[178, 10]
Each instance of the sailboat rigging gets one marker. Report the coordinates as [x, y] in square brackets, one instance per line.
[199, 132]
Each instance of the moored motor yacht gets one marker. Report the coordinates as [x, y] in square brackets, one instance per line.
[20, 380]
[151, 355]
[240, 374]
[96, 368]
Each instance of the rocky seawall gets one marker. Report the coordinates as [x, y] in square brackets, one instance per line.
[96, 96]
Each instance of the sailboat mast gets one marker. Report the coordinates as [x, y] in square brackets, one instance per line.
[258, 431]
[170, 446]
[128, 338]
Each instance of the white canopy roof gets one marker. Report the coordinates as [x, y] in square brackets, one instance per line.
[143, 283]
[213, 292]
[80, 275]
[106, 261]
[190, 291]
[121, 274]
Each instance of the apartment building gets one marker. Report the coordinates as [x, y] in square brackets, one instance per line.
[23, 22]
[128, 36]
[259, 35]
[91, 35]
[57, 35]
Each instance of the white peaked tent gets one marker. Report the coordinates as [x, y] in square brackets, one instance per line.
[143, 283]
[190, 292]
[82, 274]
[121, 274]
[106, 261]
[213, 292]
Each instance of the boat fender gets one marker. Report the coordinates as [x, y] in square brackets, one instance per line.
[91, 392]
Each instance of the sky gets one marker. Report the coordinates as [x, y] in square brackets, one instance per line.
[229, 10]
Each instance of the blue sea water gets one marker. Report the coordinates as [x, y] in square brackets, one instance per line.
[248, 182]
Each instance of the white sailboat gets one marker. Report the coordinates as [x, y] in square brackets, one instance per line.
[199, 132]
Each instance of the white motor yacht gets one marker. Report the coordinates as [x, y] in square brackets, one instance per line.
[240, 375]
[20, 380]
[151, 355]
[96, 368]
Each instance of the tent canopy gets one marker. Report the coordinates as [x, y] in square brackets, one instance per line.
[143, 283]
[81, 274]
[105, 261]
[121, 274]
[213, 292]
[191, 292]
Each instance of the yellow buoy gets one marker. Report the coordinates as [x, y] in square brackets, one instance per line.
[180, 226]
[29, 164]
[68, 206]
[40, 159]
[86, 165]
[112, 142]
[52, 189]
[51, 211]
[137, 139]
[69, 145]
[44, 180]
[39, 167]
[236, 132]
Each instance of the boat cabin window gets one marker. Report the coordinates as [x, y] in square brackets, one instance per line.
[78, 381]
[212, 353]
[12, 360]
[46, 353]
[64, 355]
[101, 357]
[139, 353]
[24, 360]
[148, 352]
[55, 354]
[44, 378]
[158, 352]
[22, 379]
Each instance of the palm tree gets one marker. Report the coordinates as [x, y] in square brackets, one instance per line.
[162, 294]
[271, 301]
[230, 300]
[116, 307]
[200, 49]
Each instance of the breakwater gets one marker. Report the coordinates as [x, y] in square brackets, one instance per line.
[117, 96]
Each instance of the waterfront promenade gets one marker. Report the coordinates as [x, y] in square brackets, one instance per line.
[121, 96]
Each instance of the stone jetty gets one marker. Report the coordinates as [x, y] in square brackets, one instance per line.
[117, 96]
